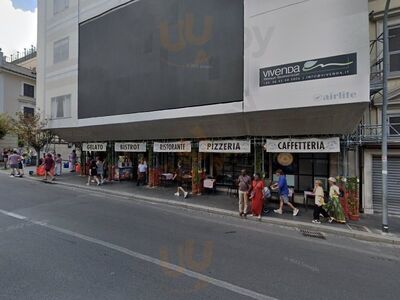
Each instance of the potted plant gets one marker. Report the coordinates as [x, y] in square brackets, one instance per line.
[352, 196]
[341, 181]
[196, 181]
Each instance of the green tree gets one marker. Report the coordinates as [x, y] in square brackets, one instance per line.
[4, 126]
[31, 130]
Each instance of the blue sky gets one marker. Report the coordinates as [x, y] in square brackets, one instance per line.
[25, 4]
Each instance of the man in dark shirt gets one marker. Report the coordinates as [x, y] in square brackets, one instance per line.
[48, 167]
[178, 177]
[5, 157]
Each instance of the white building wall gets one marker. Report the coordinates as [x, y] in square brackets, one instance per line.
[59, 79]
[2, 109]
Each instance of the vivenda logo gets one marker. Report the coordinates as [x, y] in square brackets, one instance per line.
[322, 68]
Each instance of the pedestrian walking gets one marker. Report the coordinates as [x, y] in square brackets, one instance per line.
[267, 196]
[178, 177]
[283, 191]
[14, 160]
[58, 167]
[333, 207]
[92, 173]
[48, 167]
[72, 161]
[6, 153]
[319, 203]
[244, 186]
[142, 172]
[21, 163]
[100, 169]
[257, 196]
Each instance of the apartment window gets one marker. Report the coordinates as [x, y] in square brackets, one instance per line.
[28, 90]
[394, 122]
[29, 111]
[60, 5]
[61, 50]
[61, 107]
[394, 48]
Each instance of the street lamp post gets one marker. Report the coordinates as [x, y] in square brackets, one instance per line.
[386, 66]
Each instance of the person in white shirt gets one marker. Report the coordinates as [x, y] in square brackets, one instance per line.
[319, 203]
[142, 172]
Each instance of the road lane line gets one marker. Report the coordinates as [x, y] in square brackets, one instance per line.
[213, 281]
[10, 214]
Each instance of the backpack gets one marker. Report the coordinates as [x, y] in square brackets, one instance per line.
[266, 193]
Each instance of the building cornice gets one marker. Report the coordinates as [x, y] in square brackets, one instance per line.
[17, 70]
[376, 16]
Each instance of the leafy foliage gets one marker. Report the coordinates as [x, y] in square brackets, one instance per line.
[31, 130]
[4, 126]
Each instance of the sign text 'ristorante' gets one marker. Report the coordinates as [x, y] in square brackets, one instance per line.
[173, 147]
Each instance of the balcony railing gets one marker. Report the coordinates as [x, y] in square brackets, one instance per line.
[372, 134]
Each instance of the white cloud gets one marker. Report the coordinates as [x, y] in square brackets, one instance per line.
[18, 28]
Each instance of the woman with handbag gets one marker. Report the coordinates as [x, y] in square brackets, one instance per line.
[257, 196]
[319, 203]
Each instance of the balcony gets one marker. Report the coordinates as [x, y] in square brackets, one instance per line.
[372, 134]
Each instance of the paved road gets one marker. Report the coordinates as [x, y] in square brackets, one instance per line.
[61, 243]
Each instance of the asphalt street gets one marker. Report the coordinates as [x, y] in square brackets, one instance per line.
[63, 243]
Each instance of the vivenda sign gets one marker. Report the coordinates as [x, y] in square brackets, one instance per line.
[321, 68]
[329, 145]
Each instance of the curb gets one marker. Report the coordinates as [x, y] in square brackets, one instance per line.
[364, 236]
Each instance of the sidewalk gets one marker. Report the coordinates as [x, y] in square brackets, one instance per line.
[368, 228]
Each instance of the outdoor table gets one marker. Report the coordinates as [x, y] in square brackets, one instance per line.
[166, 178]
[209, 184]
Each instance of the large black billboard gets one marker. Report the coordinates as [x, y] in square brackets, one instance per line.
[154, 55]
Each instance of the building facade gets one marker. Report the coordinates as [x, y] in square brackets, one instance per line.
[208, 81]
[17, 90]
[370, 131]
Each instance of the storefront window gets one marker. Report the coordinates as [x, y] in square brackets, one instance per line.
[227, 167]
[304, 170]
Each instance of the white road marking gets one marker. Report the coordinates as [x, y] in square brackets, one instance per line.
[10, 214]
[213, 281]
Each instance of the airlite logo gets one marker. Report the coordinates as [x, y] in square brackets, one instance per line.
[322, 68]
[338, 96]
